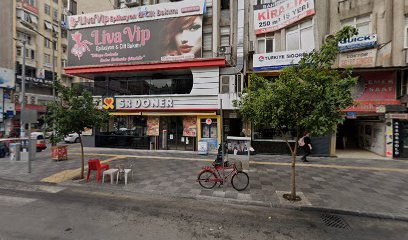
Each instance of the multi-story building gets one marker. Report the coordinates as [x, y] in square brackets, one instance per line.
[162, 70]
[281, 31]
[41, 25]
[7, 51]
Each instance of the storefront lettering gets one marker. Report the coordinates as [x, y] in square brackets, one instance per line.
[144, 103]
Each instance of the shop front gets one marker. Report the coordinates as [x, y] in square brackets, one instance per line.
[149, 72]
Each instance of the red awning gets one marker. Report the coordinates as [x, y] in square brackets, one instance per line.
[39, 108]
[89, 70]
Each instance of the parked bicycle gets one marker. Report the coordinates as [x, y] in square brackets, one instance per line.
[209, 176]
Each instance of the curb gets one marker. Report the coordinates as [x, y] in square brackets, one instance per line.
[383, 216]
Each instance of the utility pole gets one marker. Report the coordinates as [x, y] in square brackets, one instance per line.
[22, 97]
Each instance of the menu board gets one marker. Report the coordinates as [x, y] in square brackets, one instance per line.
[153, 124]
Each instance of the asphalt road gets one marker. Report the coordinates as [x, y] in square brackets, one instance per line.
[52, 212]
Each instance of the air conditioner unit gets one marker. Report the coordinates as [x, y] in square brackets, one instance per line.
[251, 47]
[227, 84]
[133, 3]
[224, 50]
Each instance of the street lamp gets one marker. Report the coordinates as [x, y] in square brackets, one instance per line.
[54, 43]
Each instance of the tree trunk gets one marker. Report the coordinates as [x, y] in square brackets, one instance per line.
[82, 156]
[293, 192]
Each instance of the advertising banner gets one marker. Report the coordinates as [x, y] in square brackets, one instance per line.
[358, 42]
[137, 14]
[360, 59]
[277, 60]
[279, 14]
[190, 127]
[168, 39]
[7, 78]
[153, 126]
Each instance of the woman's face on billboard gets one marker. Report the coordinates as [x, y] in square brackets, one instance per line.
[188, 41]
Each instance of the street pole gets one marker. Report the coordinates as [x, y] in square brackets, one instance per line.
[222, 142]
[22, 130]
[53, 81]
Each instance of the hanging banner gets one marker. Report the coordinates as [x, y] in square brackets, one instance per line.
[190, 127]
[279, 14]
[153, 126]
[358, 42]
[7, 78]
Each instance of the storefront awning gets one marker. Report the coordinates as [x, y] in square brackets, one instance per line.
[90, 71]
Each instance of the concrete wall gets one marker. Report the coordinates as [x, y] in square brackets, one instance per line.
[7, 45]
[90, 6]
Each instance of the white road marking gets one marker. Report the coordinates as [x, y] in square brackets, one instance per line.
[15, 201]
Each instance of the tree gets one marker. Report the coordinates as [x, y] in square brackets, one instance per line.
[74, 111]
[307, 96]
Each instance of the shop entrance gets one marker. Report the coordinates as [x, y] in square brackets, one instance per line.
[171, 135]
[347, 135]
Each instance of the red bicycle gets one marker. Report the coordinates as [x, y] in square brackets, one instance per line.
[209, 176]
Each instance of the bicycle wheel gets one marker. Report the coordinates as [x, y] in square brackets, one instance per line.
[240, 181]
[207, 179]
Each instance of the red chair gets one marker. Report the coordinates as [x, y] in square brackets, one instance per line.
[95, 165]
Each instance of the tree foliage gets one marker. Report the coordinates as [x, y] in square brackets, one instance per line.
[74, 111]
[307, 96]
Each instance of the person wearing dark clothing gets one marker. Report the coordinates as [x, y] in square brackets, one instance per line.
[307, 147]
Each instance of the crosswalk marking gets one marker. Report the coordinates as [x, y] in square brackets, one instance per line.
[10, 201]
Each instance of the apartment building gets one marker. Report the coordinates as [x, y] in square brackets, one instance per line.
[39, 27]
[162, 68]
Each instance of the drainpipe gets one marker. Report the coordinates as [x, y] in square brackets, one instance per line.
[216, 5]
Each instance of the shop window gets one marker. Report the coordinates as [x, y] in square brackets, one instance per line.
[271, 133]
[209, 130]
[300, 36]
[362, 23]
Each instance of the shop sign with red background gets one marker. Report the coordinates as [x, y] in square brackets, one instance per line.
[373, 90]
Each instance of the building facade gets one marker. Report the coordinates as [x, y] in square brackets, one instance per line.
[164, 71]
[39, 27]
[377, 56]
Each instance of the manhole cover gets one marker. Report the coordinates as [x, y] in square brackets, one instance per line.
[334, 221]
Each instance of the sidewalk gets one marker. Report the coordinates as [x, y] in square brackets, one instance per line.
[355, 186]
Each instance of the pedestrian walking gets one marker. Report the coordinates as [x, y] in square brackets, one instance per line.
[306, 143]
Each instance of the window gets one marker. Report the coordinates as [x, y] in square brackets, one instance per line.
[362, 24]
[47, 9]
[55, 14]
[266, 43]
[47, 43]
[72, 7]
[48, 26]
[209, 131]
[225, 4]
[19, 51]
[32, 54]
[31, 2]
[63, 63]
[47, 59]
[55, 1]
[300, 37]
[24, 36]
[264, 1]
[406, 33]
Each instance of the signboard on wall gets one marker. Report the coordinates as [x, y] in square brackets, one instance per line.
[277, 60]
[115, 38]
[358, 42]
[361, 59]
[153, 126]
[279, 14]
[190, 126]
[137, 14]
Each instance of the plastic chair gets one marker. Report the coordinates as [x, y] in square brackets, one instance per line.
[124, 171]
[95, 165]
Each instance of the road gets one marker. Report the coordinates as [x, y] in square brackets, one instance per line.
[36, 211]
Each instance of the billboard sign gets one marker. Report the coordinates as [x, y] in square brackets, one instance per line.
[7, 78]
[360, 59]
[168, 39]
[137, 14]
[358, 42]
[277, 60]
[279, 14]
